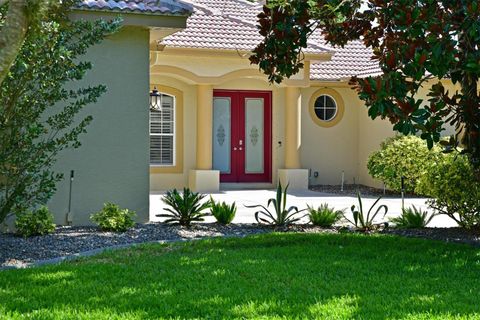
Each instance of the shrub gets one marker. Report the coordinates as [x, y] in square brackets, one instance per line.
[406, 156]
[112, 218]
[184, 208]
[223, 212]
[324, 216]
[37, 222]
[455, 191]
[281, 216]
[365, 221]
[412, 218]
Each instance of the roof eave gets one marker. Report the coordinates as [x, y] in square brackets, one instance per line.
[149, 20]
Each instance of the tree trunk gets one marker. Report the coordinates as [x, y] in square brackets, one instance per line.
[470, 105]
[12, 35]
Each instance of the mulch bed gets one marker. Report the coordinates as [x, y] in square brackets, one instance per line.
[458, 235]
[16, 251]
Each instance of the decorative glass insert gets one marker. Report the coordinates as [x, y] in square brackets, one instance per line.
[325, 108]
[221, 134]
[162, 132]
[254, 129]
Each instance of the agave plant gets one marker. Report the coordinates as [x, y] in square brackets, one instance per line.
[362, 221]
[281, 216]
[184, 208]
[223, 212]
[324, 216]
[413, 218]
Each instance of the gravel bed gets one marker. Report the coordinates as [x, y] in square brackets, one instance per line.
[18, 251]
[459, 235]
[351, 190]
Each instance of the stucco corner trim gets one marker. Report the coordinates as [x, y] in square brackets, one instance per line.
[178, 167]
[340, 107]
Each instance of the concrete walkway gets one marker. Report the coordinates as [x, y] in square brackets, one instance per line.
[300, 199]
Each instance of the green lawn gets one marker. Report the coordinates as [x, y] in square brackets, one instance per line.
[278, 276]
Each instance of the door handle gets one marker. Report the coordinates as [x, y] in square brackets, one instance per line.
[235, 149]
[240, 149]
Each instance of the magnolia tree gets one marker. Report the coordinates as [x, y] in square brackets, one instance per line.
[417, 43]
[17, 17]
[39, 102]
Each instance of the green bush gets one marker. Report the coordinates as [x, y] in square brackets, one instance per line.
[324, 216]
[412, 218]
[184, 208]
[406, 156]
[112, 218]
[455, 191]
[223, 212]
[33, 223]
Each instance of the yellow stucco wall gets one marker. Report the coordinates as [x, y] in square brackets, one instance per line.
[330, 150]
[343, 145]
[372, 132]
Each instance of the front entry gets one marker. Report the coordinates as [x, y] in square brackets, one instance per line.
[242, 135]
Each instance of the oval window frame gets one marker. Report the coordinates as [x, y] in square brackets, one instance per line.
[338, 101]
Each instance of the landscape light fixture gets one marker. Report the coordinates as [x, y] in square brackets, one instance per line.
[155, 100]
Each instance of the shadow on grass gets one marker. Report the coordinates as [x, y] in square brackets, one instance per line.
[269, 276]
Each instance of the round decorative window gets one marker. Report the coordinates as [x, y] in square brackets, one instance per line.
[325, 108]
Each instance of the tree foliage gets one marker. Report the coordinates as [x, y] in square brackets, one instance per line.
[39, 102]
[417, 44]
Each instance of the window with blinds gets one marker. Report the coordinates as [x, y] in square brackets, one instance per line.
[162, 132]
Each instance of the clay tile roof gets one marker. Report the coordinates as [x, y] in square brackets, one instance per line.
[231, 25]
[153, 7]
[224, 25]
[352, 60]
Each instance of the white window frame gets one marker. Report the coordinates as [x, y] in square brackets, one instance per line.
[174, 140]
[325, 108]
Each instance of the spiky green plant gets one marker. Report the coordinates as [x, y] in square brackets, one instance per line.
[281, 216]
[184, 208]
[223, 212]
[324, 216]
[412, 218]
[365, 221]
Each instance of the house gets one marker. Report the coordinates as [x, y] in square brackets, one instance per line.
[213, 121]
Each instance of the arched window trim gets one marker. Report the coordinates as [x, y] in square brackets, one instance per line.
[337, 97]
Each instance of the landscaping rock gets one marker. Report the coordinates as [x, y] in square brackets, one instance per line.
[19, 252]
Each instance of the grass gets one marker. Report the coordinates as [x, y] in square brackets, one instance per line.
[277, 276]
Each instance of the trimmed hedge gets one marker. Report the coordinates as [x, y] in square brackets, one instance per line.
[406, 156]
[454, 189]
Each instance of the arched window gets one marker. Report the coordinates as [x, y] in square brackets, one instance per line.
[162, 130]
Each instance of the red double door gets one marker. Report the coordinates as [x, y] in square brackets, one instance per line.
[242, 135]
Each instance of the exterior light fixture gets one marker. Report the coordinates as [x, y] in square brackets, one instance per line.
[155, 100]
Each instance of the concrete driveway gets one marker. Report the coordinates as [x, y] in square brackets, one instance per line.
[300, 199]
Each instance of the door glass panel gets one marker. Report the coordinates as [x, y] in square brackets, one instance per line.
[254, 136]
[221, 134]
